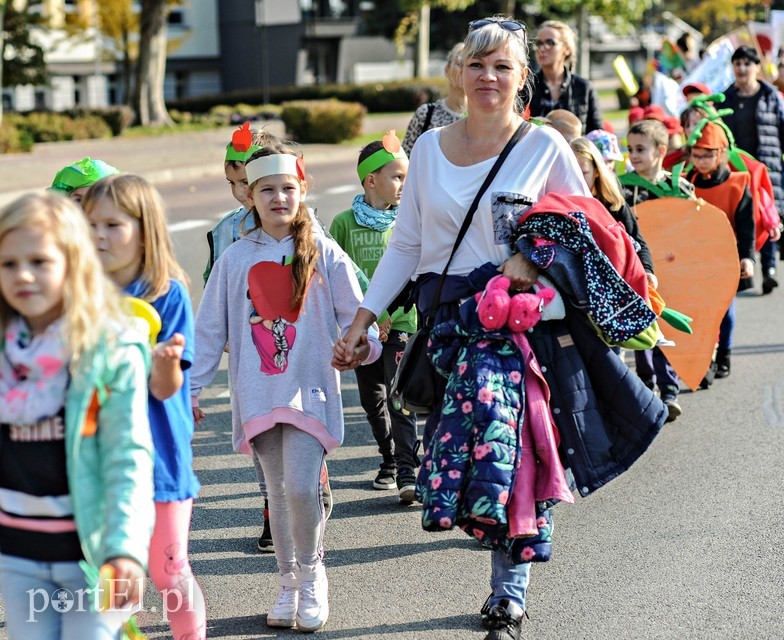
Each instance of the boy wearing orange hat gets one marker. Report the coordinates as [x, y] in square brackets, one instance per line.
[729, 191]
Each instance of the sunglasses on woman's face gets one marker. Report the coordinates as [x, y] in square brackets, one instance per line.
[547, 44]
[508, 25]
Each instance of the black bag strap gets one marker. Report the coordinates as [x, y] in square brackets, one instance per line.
[426, 125]
[470, 215]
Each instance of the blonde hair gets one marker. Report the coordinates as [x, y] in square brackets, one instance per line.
[605, 188]
[567, 37]
[566, 123]
[455, 55]
[306, 253]
[136, 197]
[90, 299]
[484, 40]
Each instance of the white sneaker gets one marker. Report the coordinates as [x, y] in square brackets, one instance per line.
[313, 609]
[284, 612]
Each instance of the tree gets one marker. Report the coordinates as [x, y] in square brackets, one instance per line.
[714, 18]
[21, 60]
[148, 100]
[118, 22]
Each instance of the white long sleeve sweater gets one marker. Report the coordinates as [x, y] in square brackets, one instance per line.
[307, 393]
[436, 198]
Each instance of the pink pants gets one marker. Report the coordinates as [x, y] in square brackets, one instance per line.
[171, 573]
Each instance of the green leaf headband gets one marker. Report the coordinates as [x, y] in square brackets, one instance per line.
[81, 174]
[389, 152]
[734, 154]
[241, 146]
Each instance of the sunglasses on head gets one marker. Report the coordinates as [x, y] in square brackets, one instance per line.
[508, 25]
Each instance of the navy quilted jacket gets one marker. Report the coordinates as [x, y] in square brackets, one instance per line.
[468, 468]
[605, 415]
[770, 134]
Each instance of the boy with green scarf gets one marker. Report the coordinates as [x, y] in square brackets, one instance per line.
[363, 231]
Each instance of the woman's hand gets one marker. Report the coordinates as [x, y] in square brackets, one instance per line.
[653, 281]
[352, 347]
[746, 268]
[522, 273]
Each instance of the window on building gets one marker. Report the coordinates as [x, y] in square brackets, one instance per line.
[176, 17]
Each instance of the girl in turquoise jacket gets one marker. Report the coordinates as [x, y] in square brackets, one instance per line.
[76, 485]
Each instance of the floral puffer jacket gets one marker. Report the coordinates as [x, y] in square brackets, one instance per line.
[470, 466]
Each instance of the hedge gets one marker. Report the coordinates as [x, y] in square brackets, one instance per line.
[377, 97]
[322, 121]
[47, 126]
[12, 140]
[118, 117]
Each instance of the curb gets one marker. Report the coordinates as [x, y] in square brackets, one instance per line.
[314, 155]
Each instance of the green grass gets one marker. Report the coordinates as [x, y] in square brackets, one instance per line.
[140, 132]
[617, 114]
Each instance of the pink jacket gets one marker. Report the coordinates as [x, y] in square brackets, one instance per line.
[540, 474]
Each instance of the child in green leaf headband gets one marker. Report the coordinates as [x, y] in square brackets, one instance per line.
[74, 179]
[363, 231]
[647, 140]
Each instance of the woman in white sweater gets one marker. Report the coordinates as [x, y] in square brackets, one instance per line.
[448, 165]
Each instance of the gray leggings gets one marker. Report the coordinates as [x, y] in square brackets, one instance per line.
[291, 460]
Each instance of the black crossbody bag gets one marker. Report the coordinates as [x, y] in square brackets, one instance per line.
[414, 385]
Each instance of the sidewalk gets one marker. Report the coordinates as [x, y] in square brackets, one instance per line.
[164, 158]
[161, 158]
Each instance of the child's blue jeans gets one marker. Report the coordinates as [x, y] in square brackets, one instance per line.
[50, 601]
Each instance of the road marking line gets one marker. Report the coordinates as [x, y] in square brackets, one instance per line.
[344, 188]
[772, 405]
[187, 225]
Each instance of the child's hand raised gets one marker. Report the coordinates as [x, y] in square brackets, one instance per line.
[171, 349]
[166, 374]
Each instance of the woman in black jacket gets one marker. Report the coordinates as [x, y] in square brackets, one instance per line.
[555, 86]
[757, 123]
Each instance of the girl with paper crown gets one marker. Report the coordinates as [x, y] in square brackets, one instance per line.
[277, 297]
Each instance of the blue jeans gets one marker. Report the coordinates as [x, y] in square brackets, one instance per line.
[35, 594]
[652, 365]
[768, 255]
[508, 580]
[727, 327]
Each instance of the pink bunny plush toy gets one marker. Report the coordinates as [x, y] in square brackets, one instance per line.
[497, 309]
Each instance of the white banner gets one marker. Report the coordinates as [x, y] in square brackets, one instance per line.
[715, 68]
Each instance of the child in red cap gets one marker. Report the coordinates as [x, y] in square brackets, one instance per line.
[729, 191]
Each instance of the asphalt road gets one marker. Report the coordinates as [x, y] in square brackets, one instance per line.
[687, 544]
